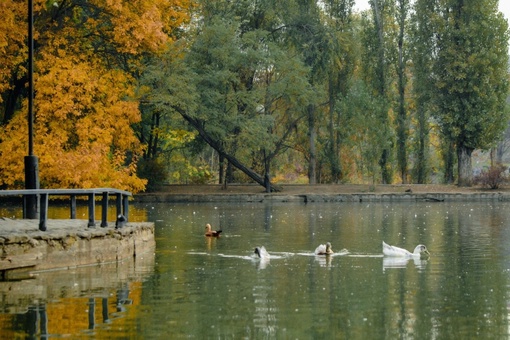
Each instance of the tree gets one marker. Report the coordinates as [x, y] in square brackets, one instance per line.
[375, 66]
[250, 90]
[363, 121]
[340, 65]
[471, 77]
[306, 34]
[166, 88]
[422, 53]
[402, 117]
[87, 58]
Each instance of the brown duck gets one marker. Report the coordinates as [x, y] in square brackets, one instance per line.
[211, 233]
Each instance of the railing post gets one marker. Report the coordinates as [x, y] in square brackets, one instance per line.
[43, 214]
[125, 204]
[104, 211]
[73, 207]
[92, 210]
[25, 205]
[118, 204]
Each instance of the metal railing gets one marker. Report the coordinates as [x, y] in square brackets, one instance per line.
[122, 203]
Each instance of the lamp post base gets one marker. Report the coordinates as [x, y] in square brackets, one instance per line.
[31, 182]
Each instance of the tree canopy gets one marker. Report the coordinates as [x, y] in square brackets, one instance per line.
[88, 55]
[132, 94]
[471, 77]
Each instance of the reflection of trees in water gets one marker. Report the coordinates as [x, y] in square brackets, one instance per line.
[35, 321]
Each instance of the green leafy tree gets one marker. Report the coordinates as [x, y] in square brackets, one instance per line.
[363, 121]
[471, 79]
[249, 87]
[376, 71]
[339, 67]
[422, 51]
[402, 121]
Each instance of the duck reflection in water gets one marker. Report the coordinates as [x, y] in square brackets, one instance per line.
[324, 261]
[401, 262]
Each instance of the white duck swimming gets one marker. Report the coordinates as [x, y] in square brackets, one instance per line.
[262, 253]
[419, 251]
[324, 249]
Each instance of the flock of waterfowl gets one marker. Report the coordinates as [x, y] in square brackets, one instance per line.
[326, 250]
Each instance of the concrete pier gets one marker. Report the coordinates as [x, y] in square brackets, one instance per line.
[68, 243]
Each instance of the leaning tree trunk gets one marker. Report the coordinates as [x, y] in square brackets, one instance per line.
[464, 166]
[231, 159]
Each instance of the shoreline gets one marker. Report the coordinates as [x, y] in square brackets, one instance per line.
[321, 193]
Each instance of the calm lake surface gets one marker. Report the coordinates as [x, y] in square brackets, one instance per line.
[199, 288]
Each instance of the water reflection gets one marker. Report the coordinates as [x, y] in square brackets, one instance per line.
[199, 287]
[71, 302]
[401, 262]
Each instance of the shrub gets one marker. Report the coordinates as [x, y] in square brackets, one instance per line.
[493, 177]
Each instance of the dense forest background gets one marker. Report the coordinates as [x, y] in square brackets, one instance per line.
[136, 93]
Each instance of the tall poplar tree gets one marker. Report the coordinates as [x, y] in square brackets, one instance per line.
[376, 73]
[340, 68]
[403, 9]
[422, 51]
[471, 77]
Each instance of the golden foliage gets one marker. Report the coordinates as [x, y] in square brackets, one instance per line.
[85, 59]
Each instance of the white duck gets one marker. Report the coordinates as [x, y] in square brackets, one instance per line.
[262, 253]
[419, 251]
[324, 249]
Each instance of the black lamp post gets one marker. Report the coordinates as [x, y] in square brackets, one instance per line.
[31, 161]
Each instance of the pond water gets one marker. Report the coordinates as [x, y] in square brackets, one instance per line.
[195, 287]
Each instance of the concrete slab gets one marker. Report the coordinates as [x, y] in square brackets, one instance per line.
[69, 243]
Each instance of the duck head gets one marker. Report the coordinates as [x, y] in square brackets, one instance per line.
[328, 248]
[421, 250]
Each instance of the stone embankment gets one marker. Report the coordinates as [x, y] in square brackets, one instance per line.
[68, 243]
[317, 197]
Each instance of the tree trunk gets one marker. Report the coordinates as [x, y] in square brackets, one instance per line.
[333, 142]
[312, 135]
[464, 166]
[381, 83]
[221, 169]
[448, 159]
[402, 114]
[421, 170]
[267, 176]
[231, 159]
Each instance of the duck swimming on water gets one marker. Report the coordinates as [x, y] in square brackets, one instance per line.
[262, 253]
[211, 233]
[324, 249]
[419, 251]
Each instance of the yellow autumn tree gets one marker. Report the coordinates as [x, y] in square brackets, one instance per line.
[88, 55]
